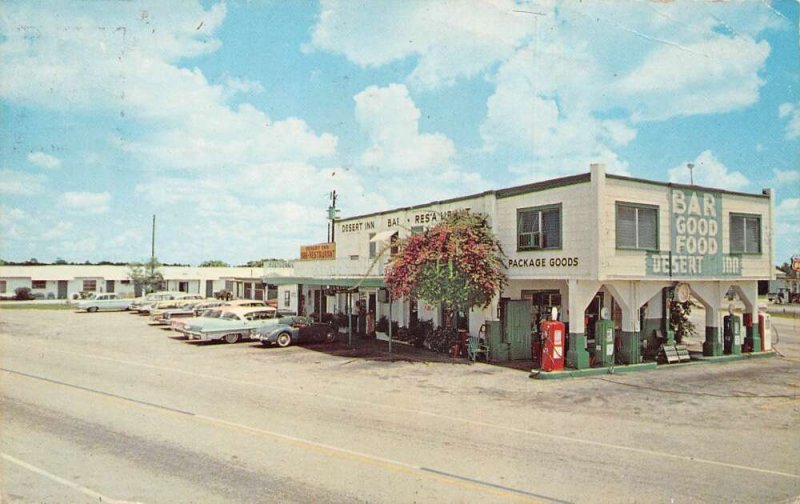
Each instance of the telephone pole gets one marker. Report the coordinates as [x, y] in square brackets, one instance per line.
[153, 248]
[332, 211]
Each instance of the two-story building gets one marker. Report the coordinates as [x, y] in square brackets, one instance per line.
[578, 244]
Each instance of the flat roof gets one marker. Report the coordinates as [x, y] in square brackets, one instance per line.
[580, 178]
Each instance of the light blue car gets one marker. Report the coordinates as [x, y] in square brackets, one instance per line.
[108, 301]
[234, 325]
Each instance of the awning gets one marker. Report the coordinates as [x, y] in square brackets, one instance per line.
[370, 282]
[383, 236]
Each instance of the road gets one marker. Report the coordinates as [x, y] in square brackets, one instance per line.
[104, 407]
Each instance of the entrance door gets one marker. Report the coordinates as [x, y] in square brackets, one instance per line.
[109, 285]
[518, 327]
[62, 289]
[209, 288]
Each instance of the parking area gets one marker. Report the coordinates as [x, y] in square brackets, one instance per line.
[103, 404]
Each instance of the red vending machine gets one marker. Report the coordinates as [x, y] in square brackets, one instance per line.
[552, 332]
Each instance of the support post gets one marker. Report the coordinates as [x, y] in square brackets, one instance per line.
[390, 322]
[349, 320]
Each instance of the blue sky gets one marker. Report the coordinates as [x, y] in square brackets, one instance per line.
[233, 121]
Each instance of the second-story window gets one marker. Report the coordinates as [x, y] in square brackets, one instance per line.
[373, 246]
[745, 234]
[637, 226]
[539, 228]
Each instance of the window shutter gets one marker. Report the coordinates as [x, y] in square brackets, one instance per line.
[648, 228]
[737, 234]
[626, 226]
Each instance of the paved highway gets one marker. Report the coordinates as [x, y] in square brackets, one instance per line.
[103, 407]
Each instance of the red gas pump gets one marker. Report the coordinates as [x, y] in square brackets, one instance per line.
[552, 332]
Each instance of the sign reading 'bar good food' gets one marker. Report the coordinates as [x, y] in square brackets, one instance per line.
[318, 251]
[696, 241]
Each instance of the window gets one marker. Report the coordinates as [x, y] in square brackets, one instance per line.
[373, 246]
[183, 286]
[417, 229]
[637, 226]
[393, 248]
[89, 285]
[39, 284]
[3, 286]
[745, 234]
[539, 228]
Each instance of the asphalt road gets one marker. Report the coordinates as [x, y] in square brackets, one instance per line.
[102, 407]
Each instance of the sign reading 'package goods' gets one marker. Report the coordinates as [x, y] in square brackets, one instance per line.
[696, 241]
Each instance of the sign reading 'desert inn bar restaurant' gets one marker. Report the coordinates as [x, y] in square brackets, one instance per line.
[696, 241]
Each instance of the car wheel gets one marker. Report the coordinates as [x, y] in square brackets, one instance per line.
[91, 309]
[284, 340]
[232, 338]
[330, 336]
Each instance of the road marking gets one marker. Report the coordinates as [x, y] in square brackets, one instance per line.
[326, 449]
[478, 423]
[58, 479]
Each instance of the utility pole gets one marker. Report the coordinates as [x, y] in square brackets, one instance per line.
[153, 249]
[332, 211]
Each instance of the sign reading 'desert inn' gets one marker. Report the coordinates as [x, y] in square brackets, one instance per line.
[696, 241]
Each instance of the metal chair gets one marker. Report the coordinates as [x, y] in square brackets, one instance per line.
[475, 347]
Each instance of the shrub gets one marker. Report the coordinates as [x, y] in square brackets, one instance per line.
[23, 294]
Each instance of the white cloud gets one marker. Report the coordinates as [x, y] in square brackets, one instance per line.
[449, 39]
[391, 120]
[20, 183]
[782, 177]
[787, 228]
[44, 160]
[717, 75]
[710, 172]
[59, 230]
[791, 111]
[87, 202]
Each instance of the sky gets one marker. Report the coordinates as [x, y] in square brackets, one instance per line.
[232, 122]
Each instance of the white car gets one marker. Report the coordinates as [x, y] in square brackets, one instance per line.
[109, 301]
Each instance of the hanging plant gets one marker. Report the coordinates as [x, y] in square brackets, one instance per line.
[455, 263]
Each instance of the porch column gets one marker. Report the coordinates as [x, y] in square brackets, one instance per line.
[748, 293]
[711, 295]
[579, 296]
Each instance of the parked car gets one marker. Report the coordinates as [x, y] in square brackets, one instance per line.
[108, 301]
[175, 301]
[178, 324]
[246, 302]
[234, 325]
[297, 330]
[181, 309]
[152, 298]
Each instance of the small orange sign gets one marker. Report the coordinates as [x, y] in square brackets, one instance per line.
[318, 251]
[796, 263]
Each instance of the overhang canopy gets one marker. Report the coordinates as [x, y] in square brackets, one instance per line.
[333, 282]
[383, 236]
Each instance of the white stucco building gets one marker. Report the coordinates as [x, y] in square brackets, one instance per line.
[579, 244]
[65, 281]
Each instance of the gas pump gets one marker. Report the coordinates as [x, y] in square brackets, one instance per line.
[604, 340]
[732, 334]
[765, 330]
[552, 332]
[752, 336]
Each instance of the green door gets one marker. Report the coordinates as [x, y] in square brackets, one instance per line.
[518, 328]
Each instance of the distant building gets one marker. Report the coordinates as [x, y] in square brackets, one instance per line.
[66, 281]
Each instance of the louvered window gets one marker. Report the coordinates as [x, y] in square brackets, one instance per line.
[637, 226]
[539, 228]
[745, 234]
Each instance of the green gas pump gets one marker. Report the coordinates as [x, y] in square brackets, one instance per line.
[604, 342]
[732, 334]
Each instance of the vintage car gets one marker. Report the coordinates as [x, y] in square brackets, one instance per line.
[175, 307]
[235, 324]
[108, 301]
[245, 302]
[176, 301]
[297, 330]
[152, 298]
[190, 309]
[177, 324]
